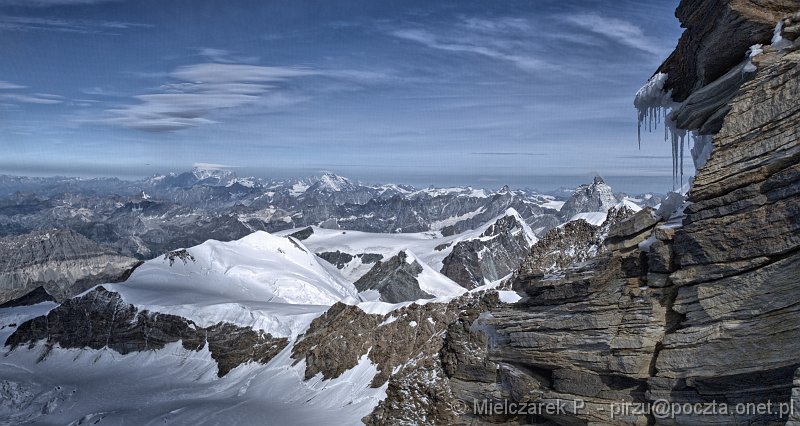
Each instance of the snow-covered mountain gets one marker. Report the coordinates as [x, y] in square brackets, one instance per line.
[222, 324]
[472, 258]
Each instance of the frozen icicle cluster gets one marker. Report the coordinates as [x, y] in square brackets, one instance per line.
[654, 105]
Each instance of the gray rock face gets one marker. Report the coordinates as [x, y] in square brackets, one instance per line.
[341, 260]
[62, 262]
[718, 33]
[497, 253]
[574, 242]
[596, 197]
[395, 280]
[100, 318]
[705, 312]
[336, 340]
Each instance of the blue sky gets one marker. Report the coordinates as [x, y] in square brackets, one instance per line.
[422, 92]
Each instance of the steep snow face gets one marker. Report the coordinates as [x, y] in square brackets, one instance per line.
[263, 281]
[260, 281]
[433, 282]
[176, 386]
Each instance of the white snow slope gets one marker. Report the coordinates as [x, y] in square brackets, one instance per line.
[423, 244]
[262, 281]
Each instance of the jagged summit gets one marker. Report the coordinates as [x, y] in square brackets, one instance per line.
[587, 198]
[331, 182]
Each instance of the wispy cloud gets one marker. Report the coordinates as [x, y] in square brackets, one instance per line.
[29, 23]
[435, 42]
[225, 56]
[617, 30]
[34, 98]
[201, 90]
[5, 85]
[502, 39]
[48, 3]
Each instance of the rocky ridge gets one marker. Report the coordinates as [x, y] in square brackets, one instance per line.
[395, 280]
[574, 242]
[493, 255]
[101, 319]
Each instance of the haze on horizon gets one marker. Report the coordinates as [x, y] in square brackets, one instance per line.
[531, 94]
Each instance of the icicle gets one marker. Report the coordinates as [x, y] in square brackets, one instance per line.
[682, 144]
[649, 102]
[778, 42]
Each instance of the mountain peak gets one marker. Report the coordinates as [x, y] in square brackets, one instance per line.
[332, 182]
[203, 171]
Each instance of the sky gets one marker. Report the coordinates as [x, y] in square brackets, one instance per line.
[533, 93]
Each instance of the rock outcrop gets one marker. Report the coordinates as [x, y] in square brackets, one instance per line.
[496, 253]
[574, 242]
[101, 319]
[718, 34]
[395, 279]
[341, 260]
[703, 308]
[62, 262]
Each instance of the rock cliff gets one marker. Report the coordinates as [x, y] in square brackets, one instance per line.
[701, 309]
[395, 279]
[496, 253]
[61, 262]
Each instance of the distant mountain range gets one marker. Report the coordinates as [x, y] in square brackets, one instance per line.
[145, 218]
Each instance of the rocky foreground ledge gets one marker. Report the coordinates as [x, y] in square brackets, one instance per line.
[708, 312]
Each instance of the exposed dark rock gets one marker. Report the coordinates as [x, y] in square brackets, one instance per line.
[341, 259]
[496, 253]
[303, 233]
[38, 295]
[336, 340]
[718, 34]
[336, 258]
[181, 254]
[395, 280]
[574, 242]
[100, 318]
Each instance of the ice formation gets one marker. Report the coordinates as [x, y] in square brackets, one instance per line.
[754, 51]
[651, 101]
[779, 42]
[654, 105]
